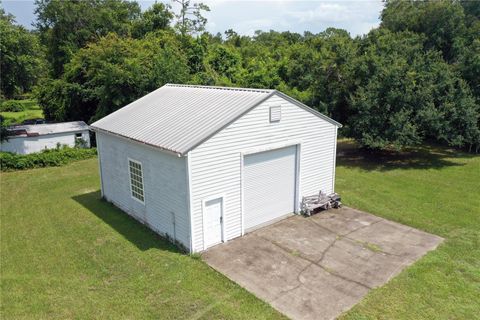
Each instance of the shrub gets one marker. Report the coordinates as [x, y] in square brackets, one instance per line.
[12, 106]
[46, 158]
[30, 104]
[80, 143]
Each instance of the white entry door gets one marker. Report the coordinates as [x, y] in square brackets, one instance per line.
[269, 186]
[213, 219]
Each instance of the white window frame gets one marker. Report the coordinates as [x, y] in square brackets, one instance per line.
[130, 180]
[78, 136]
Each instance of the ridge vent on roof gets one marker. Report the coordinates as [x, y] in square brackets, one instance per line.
[218, 88]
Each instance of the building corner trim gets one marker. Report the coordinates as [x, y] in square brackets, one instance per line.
[102, 193]
[189, 199]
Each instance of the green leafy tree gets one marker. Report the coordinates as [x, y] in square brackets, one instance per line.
[320, 68]
[471, 9]
[3, 130]
[224, 62]
[277, 40]
[453, 27]
[468, 61]
[61, 100]
[158, 17]
[21, 58]
[442, 22]
[196, 50]
[111, 73]
[261, 72]
[416, 78]
[407, 95]
[67, 26]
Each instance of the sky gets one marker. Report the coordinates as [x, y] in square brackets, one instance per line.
[246, 16]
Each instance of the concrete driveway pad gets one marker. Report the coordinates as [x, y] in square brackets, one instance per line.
[320, 266]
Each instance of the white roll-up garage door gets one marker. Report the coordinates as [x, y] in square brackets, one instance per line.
[269, 185]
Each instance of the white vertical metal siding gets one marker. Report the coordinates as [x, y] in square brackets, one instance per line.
[269, 185]
[216, 163]
[165, 187]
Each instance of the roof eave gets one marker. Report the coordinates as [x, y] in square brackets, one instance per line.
[172, 152]
[48, 133]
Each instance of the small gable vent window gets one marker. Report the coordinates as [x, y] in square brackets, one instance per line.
[136, 180]
[275, 113]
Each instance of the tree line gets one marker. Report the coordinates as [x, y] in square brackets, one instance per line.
[415, 78]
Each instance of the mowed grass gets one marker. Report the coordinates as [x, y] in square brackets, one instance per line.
[432, 189]
[67, 254]
[32, 111]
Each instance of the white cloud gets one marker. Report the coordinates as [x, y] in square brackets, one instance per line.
[357, 17]
[246, 16]
[326, 11]
[363, 27]
[248, 27]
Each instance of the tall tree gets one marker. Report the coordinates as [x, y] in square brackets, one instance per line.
[67, 26]
[442, 21]
[469, 54]
[319, 68]
[157, 17]
[406, 95]
[224, 62]
[111, 73]
[190, 18]
[21, 57]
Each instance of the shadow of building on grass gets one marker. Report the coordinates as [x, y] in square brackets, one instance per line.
[132, 230]
[423, 157]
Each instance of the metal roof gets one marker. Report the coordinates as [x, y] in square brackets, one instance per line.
[177, 117]
[47, 128]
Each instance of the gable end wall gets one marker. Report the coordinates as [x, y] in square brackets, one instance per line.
[215, 165]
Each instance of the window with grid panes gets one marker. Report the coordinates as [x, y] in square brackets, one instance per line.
[136, 180]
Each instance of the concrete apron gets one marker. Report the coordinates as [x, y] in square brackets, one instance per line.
[320, 266]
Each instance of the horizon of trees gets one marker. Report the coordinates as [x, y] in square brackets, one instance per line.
[413, 79]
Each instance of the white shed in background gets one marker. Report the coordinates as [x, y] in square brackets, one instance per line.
[24, 139]
[204, 165]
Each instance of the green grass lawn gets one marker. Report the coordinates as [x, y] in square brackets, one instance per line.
[435, 190]
[66, 254]
[32, 111]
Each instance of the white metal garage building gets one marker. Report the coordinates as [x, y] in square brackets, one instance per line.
[204, 165]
